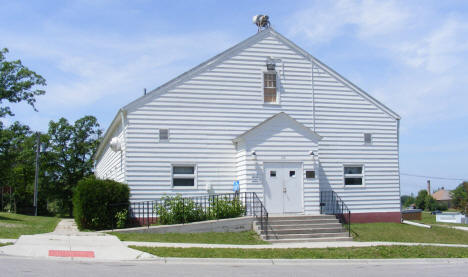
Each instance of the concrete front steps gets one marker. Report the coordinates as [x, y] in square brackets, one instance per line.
[303, 229]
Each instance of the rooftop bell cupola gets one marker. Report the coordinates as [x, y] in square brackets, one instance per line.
[262, 21]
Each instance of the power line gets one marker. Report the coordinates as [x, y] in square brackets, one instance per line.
[433, 177]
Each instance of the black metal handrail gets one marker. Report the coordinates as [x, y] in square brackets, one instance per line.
[331, 203]
[145, 213]
[260, 213]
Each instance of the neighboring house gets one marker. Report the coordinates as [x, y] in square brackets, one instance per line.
[273, 117]
[443, 196]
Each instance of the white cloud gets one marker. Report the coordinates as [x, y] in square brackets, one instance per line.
[425, 49]
[90, 68]
[327, 20]
[440, 50]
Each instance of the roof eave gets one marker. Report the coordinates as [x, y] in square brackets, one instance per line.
[114, 124]
[246, 133]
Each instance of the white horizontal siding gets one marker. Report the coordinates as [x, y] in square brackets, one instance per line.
[111, 165]
[207, 111]
[342, 117]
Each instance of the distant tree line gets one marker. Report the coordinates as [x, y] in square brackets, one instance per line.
[460, 197]
[425, 201]
[66, 148]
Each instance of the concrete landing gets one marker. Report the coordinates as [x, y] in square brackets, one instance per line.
[66, 242]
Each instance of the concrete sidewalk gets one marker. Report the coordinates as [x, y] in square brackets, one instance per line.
[67, 242]
[331, 244]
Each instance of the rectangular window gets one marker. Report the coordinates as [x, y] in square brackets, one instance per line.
[310, 174]
[353, 175]
[183, 175]
[163, 134]
[269, 87]
[367, 138]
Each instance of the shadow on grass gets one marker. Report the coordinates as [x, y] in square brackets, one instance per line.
[354, 234]
[10, 219]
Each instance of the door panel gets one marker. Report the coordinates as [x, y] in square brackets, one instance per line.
[273, 187]
[293, 188]
[283, 187]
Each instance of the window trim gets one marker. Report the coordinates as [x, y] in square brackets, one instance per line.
[278, 96]
[185, 176]
[362, 175]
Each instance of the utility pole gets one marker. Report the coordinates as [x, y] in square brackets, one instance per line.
[36, 177]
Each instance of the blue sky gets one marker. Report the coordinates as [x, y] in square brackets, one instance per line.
[98, 55]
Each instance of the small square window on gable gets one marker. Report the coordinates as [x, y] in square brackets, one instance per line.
[269, 87]
[163, 134]
[367, 138]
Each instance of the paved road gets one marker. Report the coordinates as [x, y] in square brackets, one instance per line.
[13, 266]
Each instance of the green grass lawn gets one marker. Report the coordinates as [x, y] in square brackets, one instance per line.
[14, 225]
[377, 252]
[407, 233]
[248, 237]
[5, 244]
[428, 218]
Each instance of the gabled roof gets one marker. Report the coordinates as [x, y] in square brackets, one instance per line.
[231, 52]
[239, 47]
[442, 194]
[276, 117]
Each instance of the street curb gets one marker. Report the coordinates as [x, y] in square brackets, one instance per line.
[7, 240]
[234, 261]
[312, 261]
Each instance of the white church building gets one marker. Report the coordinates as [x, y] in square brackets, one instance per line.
[269, 115]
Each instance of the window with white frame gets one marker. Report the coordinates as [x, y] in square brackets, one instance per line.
[367, 138]
[183, 175]
[163, 134]
[353, 175]
[269, 87]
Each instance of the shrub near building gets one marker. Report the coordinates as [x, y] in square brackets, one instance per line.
[91, 201]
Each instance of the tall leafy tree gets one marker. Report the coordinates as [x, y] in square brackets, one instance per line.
[17, 83]
[17, 157]
[460, 197]
[71, 147]
[420, 200]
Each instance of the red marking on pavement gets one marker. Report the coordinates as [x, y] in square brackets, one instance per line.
[69, 253]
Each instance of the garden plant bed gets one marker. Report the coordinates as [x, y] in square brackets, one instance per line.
[376, 252]
[244, 238]
[396, 232]
[12, 226]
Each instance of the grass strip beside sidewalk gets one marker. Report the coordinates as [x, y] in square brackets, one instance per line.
[430, 219]
[12, 226]
[375, 252]
[243, 238]
[407, 233]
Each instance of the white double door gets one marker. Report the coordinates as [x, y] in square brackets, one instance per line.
[283, 187]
